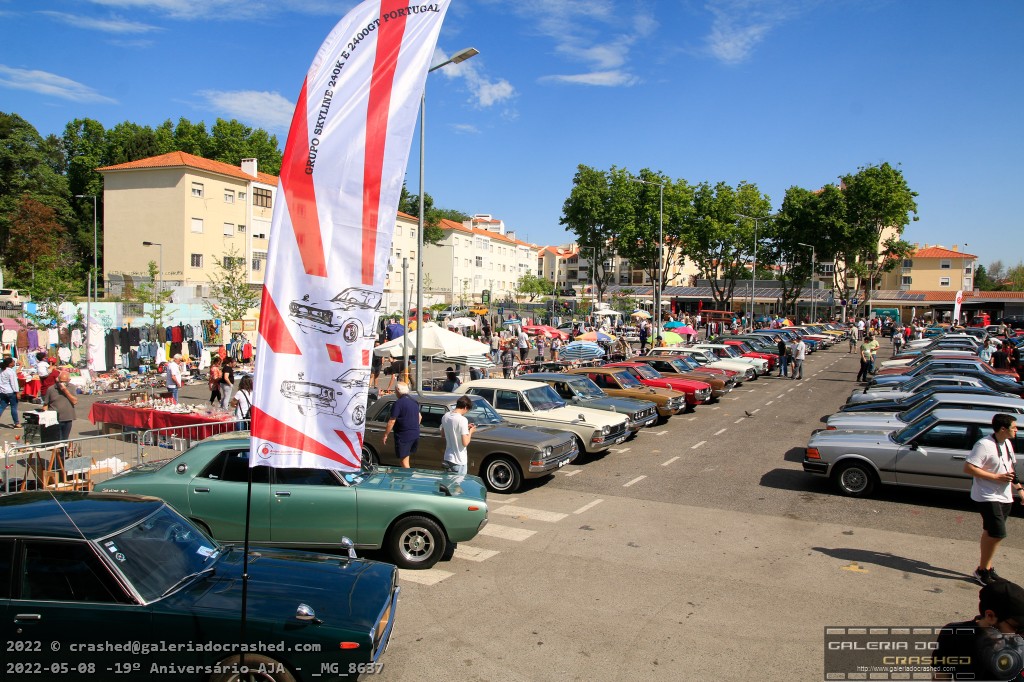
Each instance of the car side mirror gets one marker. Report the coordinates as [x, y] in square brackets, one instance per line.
[914, 445]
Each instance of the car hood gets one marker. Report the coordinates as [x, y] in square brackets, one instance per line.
[520, 434]
[865, 421]
[613, 404]
[346, 593]
[848, 439]
[708, 378]
[571, 412]
[419, 482]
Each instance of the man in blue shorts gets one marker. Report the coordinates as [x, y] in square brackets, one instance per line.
[405, 423]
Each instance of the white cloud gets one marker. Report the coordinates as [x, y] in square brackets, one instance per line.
[602, 78]
[486, 92]
[112, 25]
[267, 110]
[465, 128]
[739, 26]
[230, 9]
[46, 83]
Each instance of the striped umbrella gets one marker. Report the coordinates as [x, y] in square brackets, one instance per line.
[596, 336]
[480, 361]
[581, 350]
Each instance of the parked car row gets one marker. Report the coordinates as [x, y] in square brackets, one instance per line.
[917, 420]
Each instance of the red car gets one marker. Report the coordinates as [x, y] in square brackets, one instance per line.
[723, 374]
[697, 392]
[749, 352]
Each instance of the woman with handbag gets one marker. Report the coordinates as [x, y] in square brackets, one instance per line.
[242, 403]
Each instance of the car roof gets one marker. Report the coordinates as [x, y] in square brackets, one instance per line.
[953, 414]
[509, 384]
[981, 397]
[72, 515]
[611, 368]
[427, 397]
[546, 376]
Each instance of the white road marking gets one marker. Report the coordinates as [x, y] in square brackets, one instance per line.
[769, 403]
[619, 449]
[755, 411]
[635, 480]
[715, 407]
[692, 419]
[588, 505]
[573, 472]
[431, 577]
[720, 432]
[739, 420]
[661, 433]
[506, 533]
[790, 390]
[665, 464]
[508, 501]
[527, 513]
[781, 395]
[473, 553]
[698, 445]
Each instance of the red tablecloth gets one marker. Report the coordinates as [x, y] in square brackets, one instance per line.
[30, 389]
[144, 419]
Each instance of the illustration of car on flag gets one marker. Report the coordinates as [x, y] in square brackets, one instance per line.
[319, 399]
[354, 379]
[334, 316]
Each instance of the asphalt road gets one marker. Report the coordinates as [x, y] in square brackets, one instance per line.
[697, 551]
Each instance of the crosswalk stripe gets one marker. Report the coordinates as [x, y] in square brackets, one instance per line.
[588, 505]
[473, 553]
[532, 514]
[495, 530]
[431, 577]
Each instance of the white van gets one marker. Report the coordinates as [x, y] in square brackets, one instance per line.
[13, 296]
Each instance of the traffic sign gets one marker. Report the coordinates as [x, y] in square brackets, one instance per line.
[485, 296]
[853, 301]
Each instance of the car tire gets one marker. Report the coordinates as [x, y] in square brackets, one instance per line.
[662, 419]
[272, 670]
[416, 542]
[855, 479]
[501, 474]
[582, 450]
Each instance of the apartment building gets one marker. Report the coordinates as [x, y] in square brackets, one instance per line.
[933, 268]
[192, 211]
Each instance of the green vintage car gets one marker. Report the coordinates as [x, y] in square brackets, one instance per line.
[122, 587]
[414, 515]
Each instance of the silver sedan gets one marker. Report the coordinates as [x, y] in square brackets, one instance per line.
[890, 421]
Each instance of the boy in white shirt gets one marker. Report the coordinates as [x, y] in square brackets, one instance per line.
[457, 432]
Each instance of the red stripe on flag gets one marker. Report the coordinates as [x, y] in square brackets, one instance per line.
[273, 329]
[366, 358]
[389, 44]
[297, 185]
[265, 427]
[334, 353]
[344, 437]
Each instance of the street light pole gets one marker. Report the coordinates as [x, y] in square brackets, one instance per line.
[661, 248]
[93, 277]
[813, 301]
[458, 57]
[753, 274]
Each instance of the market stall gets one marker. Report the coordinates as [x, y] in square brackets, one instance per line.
[118, 416]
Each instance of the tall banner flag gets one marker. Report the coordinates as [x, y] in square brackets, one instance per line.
[334, 215]
[956, 306]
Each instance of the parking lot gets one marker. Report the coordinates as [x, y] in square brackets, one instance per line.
[697, 550]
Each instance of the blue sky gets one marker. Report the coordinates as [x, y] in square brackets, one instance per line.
[776, 92]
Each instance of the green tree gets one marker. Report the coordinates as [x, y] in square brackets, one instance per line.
[38, 241]
[659, 218]
[191, 138]
[57, 280]
[231, 296]
[152, 294]
[533, 286]
[129, 141]
[1015, 277]
[231, 141]
[598, 210]
[432, 216]
[623, 301]
[983, 281]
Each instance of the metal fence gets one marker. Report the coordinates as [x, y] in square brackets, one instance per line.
[77, 463]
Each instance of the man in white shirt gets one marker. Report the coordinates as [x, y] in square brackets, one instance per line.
[173, 372]
[991, 463]
[457, 432]
[523, 343]
[799, 354]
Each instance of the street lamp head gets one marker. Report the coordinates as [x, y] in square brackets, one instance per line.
[152, 244]
[463, 55]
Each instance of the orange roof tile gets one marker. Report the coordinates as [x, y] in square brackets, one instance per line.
[181, 159]
[951, 295]
[940, 252]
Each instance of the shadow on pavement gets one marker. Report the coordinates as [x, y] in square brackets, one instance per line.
[888, 560]
[795, 455]
[792, 479]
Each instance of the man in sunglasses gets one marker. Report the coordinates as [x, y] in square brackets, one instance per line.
[989, 647]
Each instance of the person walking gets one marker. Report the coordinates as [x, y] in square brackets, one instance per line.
[405, 423]
[214, 381]
[556, 348]
[523, 343]
[227, 382]
[985, 354]
[897, 340]
[457, 432]
[172, 374]
[376, 363]
[495, 347]
[799, 354]
[991, 465]
[243, 403]
[865, 360]
[783, 358]
[59, 398]
[9, 390]
[508, 360]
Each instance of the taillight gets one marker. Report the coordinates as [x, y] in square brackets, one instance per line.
[812, 453]
[830, 428]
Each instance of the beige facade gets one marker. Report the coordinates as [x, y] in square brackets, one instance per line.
[933, 268]
[194, 211]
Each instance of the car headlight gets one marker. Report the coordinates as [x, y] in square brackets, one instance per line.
[605, 430]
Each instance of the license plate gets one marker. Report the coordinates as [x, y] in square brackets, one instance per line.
[563, 463]
[620, 439]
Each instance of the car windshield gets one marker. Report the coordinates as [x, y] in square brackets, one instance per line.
[679, 365]
[363, 297]
[908, 432]
[627, 380]
[732, 352]
[922, 408]
[159, 552]
[647, 372]
[482, 413]
[543, 397]
[586, 388]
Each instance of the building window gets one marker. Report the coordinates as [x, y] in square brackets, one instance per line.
[197, 260]
[259, 235]
[229, 196]
[240, 228]
[969, 269]
[479, 261]
[259, 258]
[908, 263]
[132, 310]
[945, 264]
[197, 189]
[197, 225]
[398, 230]
[261, 197]
[943, 281]
[229, 229]
[230, 263]
[906, 281]
[967, 283]
[241, 196]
